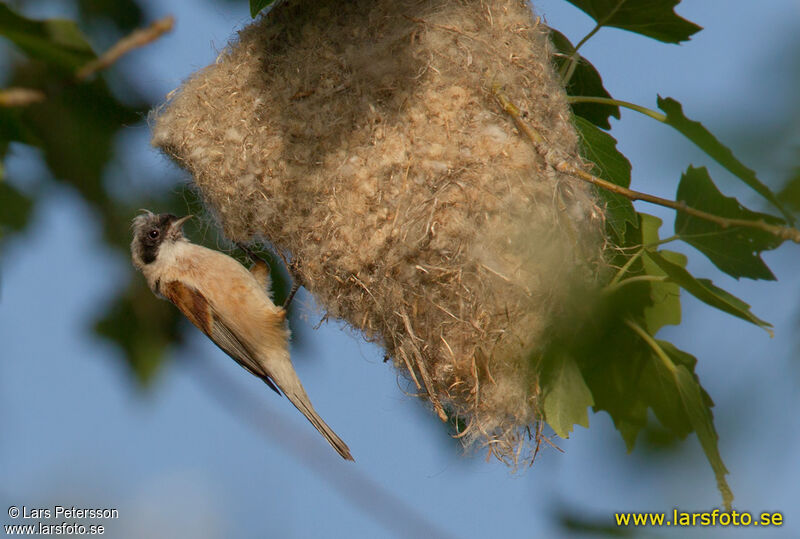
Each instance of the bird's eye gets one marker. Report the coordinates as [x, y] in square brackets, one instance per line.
[153, 233]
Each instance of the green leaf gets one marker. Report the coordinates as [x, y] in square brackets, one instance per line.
[612, 363]
[650, 227]
[703, 424]
[126, 15]
[619, 212]
[15, 208]
[608, 354]
[610, 359]
[58, 42]
[76, 128]
[734, 250]
[631, 424]
[257, 5]
[577, 522]
[600, 148]
[790, 194]
[143, 327]
[702, 137]
[652, 18]
[665, 308]
[676, 367]
[679, 357]
[658, 385]
[13, 128]
[666, 296]
[566, 396]
[705, 291]
[585, 81]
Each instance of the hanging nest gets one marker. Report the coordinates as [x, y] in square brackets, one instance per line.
[363, 141]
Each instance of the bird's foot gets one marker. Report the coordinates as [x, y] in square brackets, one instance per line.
[297, 282]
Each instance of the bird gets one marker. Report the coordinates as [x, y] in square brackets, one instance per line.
[230, 304]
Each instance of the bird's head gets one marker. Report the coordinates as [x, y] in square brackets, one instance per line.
[151, 231]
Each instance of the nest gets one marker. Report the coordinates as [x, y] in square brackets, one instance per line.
[363, 141]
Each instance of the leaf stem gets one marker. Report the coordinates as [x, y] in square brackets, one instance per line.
[624, 269]
[611, 288]
[784, 232]
[651, 342]
[660, 116]
[634, 257]
[572, 63]
[665, 240]
[574, 58]
[588, 36]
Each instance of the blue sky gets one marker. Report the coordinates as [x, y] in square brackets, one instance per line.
[176, 463]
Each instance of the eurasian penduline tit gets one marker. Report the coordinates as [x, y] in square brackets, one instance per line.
[228, 303]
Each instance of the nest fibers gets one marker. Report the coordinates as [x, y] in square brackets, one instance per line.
[362, 140]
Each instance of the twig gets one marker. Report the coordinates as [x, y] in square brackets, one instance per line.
[513, 111]
[426, 377]
[138, 38]
[20, 97]
[784, 232]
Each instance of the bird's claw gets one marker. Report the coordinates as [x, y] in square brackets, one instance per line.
[249, 252]
[297, 282]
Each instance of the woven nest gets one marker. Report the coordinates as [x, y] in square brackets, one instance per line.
[362, 140]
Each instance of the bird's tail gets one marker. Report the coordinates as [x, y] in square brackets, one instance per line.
[282, 373]
[302, 403]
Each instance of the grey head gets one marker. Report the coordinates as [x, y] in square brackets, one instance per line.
[150, 231]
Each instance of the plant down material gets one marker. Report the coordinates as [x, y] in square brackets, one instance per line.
[362, 140]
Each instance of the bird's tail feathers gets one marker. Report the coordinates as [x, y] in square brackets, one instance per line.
[302, 403]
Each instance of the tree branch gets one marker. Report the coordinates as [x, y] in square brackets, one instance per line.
[138, 38]
[784, 232]
[20, 97]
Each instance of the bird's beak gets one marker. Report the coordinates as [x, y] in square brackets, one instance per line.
[176, 227]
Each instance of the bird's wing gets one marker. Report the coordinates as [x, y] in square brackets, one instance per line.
[200, 312]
